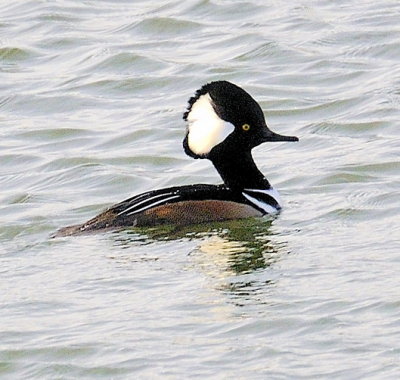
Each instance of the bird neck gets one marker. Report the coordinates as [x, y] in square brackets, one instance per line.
[239, 171]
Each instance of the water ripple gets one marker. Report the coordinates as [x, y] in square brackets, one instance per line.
[91, 106]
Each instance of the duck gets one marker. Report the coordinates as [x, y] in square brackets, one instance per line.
[223, 124]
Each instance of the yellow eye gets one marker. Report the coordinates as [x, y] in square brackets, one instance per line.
[245, 127]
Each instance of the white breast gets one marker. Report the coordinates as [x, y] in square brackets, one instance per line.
[206, 129]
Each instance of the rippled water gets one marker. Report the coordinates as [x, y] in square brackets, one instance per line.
[92, 94]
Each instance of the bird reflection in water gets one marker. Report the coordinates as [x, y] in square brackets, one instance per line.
[236, 254]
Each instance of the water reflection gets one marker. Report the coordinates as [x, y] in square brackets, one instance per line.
[236, 255]
[245, 244]
[238, 259]
[239, 249]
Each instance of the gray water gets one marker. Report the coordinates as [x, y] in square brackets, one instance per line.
[92, 94]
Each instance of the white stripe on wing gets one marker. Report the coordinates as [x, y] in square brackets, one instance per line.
[165, 200]
[135, 205]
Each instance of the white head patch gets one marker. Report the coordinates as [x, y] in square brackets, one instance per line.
[205, 128]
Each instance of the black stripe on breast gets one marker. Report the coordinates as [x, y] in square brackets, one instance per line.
[263, 200]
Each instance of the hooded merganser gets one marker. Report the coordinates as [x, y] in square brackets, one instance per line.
[224, 123]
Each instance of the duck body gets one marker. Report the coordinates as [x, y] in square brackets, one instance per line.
[224, 123]
[182, 205]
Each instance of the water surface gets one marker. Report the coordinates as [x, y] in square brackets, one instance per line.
[92, 95]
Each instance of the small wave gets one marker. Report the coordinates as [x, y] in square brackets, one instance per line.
[161, 27]
[15, 54]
